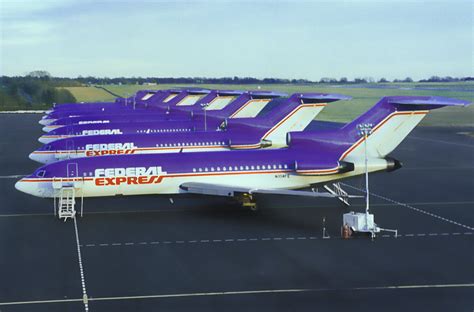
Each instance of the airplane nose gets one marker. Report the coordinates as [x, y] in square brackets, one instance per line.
[46, 121]
[48, 128]
[24, 187]
[47, 139]
[34, 188]
[43, 159]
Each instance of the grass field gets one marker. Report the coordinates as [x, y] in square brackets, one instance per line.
[90, 94]
[363, 98]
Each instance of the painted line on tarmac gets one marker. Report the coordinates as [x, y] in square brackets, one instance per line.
[439, 168]
[244, 292]
[263, 239]
[441, 141]
[85, 299]
[17, 176]
[24, 112]
[412, 208]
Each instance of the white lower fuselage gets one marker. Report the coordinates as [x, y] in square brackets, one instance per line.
[169, 183]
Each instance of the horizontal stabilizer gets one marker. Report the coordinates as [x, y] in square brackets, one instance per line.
[324, 97]
[428, 100]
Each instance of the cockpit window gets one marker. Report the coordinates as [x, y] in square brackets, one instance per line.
[40, 173]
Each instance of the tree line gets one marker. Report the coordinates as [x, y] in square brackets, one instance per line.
[33, 91]
[39, 88]
[251, 80]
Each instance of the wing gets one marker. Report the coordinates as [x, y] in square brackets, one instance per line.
[228, 190]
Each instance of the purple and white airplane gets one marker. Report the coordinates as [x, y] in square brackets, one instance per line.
[278, 109]
[223, 103]
[312, 158]
[141, 100]
[159, 101]
[244, 133]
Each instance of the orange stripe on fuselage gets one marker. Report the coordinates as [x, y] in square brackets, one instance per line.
[174, 175]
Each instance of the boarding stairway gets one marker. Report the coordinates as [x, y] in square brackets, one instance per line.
[339, 192]
[65, 192]
[66, 203]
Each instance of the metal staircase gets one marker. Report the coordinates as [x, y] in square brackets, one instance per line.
[338, 191]
[66, 203]
[65, 193]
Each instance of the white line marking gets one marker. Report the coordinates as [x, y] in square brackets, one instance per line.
[440, 141]
[85, 299]
[24, 112]
[264, 239]
[441, 168]
[244, 292]
[411, 207]
[13, 176]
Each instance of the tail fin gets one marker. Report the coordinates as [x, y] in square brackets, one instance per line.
[298, 116]
[392, 119]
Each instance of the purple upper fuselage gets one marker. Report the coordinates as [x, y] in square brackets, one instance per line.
[238, 133]
[322, 149]
[237, 100]
[277, 110]
[160, 101]
[140, 98]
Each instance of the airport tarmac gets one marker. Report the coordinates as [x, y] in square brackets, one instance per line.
[197, 253]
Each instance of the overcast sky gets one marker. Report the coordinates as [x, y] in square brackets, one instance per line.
[286, 39]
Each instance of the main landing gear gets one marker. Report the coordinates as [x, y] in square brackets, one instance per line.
[248, 201]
